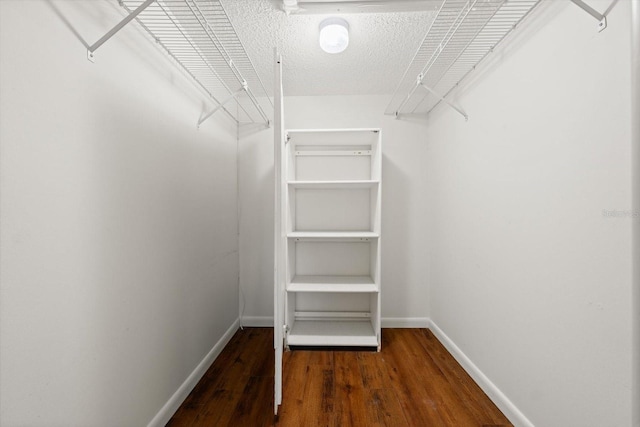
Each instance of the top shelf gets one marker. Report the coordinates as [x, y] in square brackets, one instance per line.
[325, 131]
[199, 37]
[365, 138]
[462, 34]
[333, 155]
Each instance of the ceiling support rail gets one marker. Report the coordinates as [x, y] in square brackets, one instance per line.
[442, 98]
[234, 95]
[602, 20]
[117, 28]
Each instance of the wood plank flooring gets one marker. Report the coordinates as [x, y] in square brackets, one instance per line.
[413, 381]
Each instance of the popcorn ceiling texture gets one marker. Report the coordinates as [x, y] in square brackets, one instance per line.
[381, 47]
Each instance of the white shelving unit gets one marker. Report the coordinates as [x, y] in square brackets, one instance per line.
[331, 181]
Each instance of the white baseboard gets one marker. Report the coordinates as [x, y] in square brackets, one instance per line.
[502, 402]
[405, 322]
[387, 322]
[257, 321]
[172, 405]
[494, 393]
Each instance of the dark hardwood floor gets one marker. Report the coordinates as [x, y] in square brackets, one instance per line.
[413, 381]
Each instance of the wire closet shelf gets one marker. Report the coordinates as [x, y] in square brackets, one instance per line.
[462, 34]
[199, 36]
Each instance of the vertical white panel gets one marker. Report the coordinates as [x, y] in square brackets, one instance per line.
[280, 245]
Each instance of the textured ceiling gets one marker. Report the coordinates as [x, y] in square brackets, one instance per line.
[381, 47]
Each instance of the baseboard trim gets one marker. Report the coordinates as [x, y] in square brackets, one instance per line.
[172, 405]
[498, 397]
[405, 322]
[257, 321]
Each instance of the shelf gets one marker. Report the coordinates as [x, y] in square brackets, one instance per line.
[332, 235]
[332, 284]
[326, 131]
[331, 185]
[350, 333]
[462, 34]
[199, 37]
[332, 153]
[334, 185]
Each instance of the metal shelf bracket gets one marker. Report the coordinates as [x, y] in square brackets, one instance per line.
[118, 27]
[442, 98]
[602, 20]
[234, 95]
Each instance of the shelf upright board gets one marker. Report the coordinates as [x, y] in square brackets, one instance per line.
[280, 240]
[331, 222]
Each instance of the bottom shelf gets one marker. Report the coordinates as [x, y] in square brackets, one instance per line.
[351, 333]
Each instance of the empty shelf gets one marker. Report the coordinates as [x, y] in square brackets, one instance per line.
[335, 131]
[357, 333]
[332, 235]
[332, 284]
[356, 152]
[331, 185]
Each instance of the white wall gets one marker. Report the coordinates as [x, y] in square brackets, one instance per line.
[119, 247]
[635, 188]
[404, 287]
[527, 277]
[255, 216]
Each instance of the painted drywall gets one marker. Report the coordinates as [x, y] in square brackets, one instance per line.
[530, 234]
[119, 255]
[404, 287]
[635, 187]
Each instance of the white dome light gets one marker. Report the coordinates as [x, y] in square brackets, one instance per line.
[334, 35]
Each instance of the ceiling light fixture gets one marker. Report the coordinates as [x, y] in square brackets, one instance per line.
[334, 35]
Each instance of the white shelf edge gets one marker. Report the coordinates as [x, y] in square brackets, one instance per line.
[335, 284]
[332, 333]
[343, 288]
[333, 130]
[355, 184]
[329, 153]
[333, 235]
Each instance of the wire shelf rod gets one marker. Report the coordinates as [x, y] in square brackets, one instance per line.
[487, 52]
[461, 35]
[226, 55]
[444, 70]
[199, 37]
[464, 11]
[177, 28]
[198, 52]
